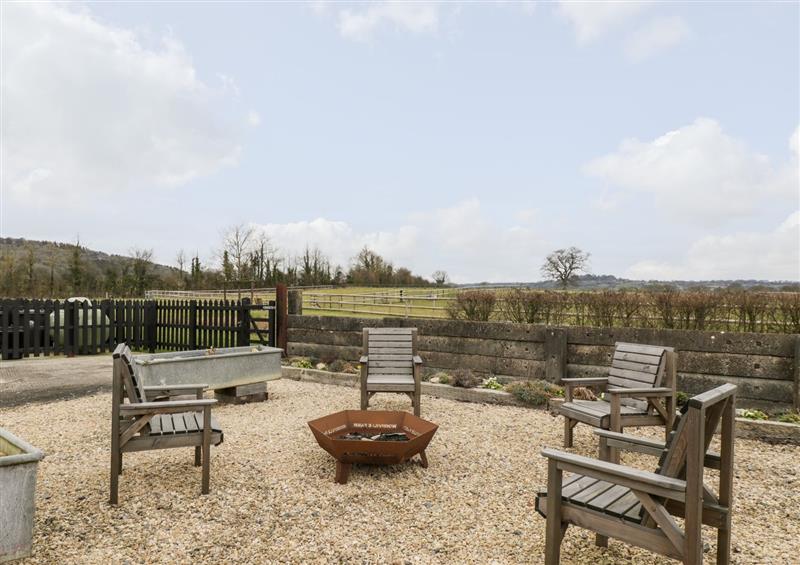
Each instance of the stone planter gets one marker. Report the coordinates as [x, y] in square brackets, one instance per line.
[18, 465]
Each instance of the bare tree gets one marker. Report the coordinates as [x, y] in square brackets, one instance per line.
[563, 265]
[180, 261]
[237, 242]
[440, 278]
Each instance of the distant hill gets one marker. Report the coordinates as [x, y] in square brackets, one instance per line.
[610, 282]
[49, 268]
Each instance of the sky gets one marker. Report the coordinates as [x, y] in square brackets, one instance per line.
[471, 137]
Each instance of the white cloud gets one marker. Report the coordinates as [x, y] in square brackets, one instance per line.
[698, 173]
[656, 36]
[416, 17]
[773, 255]
[89, 110]
[253, 118]
[456, 237]
[592, 20]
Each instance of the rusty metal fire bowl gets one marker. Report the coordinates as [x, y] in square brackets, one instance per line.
[368, 424]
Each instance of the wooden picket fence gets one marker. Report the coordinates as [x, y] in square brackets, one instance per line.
[52, 327]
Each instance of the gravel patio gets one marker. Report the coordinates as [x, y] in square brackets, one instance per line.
[273, 498]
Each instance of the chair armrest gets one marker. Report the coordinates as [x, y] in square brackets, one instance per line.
[648, 446]
[631, 443]
[170, 407]
[630, 477]
[660, 391]
[364, 360]
[417, 360]
[585, 381]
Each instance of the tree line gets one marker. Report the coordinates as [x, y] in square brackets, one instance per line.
[244, 257]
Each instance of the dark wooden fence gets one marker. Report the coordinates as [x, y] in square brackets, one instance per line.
[51, 327]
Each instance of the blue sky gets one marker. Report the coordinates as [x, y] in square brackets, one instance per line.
[469, 137]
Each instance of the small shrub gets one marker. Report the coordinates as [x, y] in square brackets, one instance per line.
[465, 378]
[302, 363]
[492, 383]
[681, 398]
[583, 393]
[790, 418]
[351, 368]
[473, 305]
[337, 366]
[754, 415]
[439, 377]
[534, 393]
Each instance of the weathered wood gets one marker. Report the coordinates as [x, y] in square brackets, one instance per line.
[555, 351]
[390, 364]
[645, 504]
[156, 425]
[796, 374]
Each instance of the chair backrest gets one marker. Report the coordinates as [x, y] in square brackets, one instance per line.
[125, 378]
[709, 409]
[637, 366]
[390, 350]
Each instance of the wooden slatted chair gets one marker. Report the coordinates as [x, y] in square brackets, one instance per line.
[637, 506]
[390, 364]
[634, 395]
[142, 424]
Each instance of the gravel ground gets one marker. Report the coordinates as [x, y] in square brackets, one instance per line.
[273, 498]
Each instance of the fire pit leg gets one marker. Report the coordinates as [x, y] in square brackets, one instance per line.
[423, 459]
[342, 472]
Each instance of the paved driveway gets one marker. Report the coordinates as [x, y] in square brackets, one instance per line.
[42, 379]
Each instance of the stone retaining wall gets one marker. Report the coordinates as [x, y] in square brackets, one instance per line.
[764, 366]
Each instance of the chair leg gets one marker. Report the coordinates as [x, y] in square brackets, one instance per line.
[723, 546]
[364, 399]
[417, 397]
[197, 458]
[116, 461]
[206, 449]
[120, 464]
[600, 541]
[554, 526]
[568, 426]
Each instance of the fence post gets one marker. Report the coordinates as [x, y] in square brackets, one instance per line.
[296, 302]
[272, 321]
[193, 324]
[282, 322]
[150, 321]
[796, 396]
[555, 351]
[244, 322]
[70, 328]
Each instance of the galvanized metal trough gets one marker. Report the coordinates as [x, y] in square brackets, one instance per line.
[329, 431]
[231, 371]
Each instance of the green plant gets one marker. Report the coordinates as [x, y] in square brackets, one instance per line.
[337, 366]
[439, 377]
[534, 393]
[790, 418]
[302, 363]
[681, 398]
[492, 383]
[465, 378]
[754, 414]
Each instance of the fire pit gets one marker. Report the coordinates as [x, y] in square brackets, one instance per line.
[372, 436]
